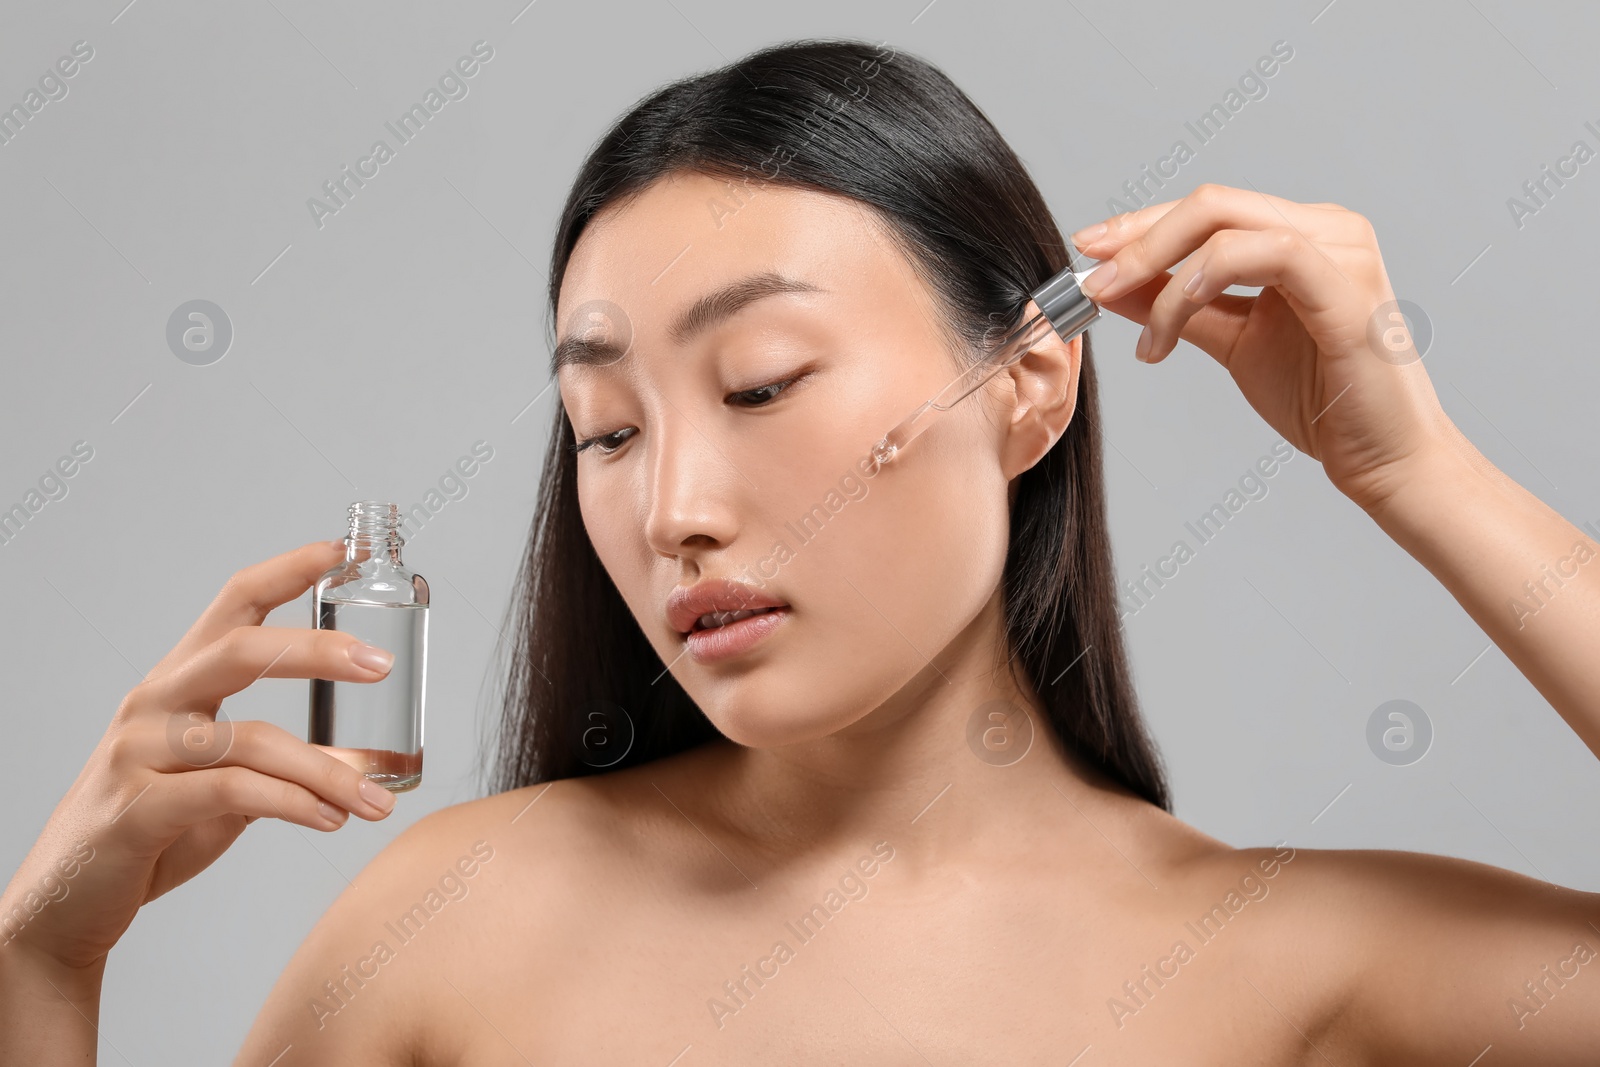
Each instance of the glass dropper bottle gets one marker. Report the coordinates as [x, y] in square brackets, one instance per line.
[376, 727]
[1062, 308]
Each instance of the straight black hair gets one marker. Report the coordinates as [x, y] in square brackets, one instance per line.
[586, 692]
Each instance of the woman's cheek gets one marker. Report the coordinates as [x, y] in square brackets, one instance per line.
[880, 574]
[617, 535]
[945, 553]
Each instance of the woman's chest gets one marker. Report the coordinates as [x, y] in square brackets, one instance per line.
[876, 982]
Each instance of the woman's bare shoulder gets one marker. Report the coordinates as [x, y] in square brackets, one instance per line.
[1374, 954]
[459, 891]
[1420, 957]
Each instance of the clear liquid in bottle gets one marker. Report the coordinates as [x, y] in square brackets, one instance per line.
[375, 727]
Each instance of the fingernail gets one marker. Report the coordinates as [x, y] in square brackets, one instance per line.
[1142, 348]
[1098, 282]
[376, 795]
[329, 812]
[337, 542]
[1192, 284]
[373, 659]
[1089, 235]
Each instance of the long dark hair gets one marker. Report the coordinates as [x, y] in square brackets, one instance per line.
[892, 131]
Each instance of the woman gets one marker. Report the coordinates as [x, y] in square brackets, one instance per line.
[811, 758]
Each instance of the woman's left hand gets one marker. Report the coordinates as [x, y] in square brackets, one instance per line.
[1321, 353]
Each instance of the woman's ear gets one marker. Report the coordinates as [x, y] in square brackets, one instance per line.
[1044, 396]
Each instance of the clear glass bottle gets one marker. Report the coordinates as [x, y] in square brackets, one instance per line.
[376, 727]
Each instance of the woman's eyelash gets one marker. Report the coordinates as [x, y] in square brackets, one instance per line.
[599, 439]
[779, 386]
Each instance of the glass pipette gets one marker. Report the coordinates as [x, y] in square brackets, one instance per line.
[1063, 308]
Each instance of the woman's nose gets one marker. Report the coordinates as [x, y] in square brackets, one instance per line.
[692, 487]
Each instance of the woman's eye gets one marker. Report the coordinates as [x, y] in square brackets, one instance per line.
[761, 394]
[606, 442]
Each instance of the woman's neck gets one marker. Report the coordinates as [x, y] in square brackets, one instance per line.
[959, 756]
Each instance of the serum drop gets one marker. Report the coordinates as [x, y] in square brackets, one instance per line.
[376, 727]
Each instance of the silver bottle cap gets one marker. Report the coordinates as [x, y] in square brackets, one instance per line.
[1064, 304]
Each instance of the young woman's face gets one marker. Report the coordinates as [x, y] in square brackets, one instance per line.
[731, 443]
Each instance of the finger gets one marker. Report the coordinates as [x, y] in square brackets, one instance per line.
[1174, 306]
[247, 596]
[1106, 236]
[1280, 257]
[247, 653]
[176, 802]
[261, 746]
[1145, 243]
[1125, 227]
[1217, 323]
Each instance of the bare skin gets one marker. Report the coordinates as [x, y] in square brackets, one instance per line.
[1029, 912]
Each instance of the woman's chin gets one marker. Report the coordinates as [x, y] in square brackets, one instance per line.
[762, 724]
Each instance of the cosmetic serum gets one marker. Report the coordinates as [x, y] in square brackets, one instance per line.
[376, 727]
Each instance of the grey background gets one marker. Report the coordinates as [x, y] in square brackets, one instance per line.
[370, 354]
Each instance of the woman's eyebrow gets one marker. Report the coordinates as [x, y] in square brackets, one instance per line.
[721, 303]
[700, 316]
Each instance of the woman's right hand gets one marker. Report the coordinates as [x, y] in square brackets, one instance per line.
[169, 788]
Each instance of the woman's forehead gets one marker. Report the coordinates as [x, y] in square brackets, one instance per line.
[656, 253]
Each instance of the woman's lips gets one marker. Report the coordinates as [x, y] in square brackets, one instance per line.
[720, 643]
